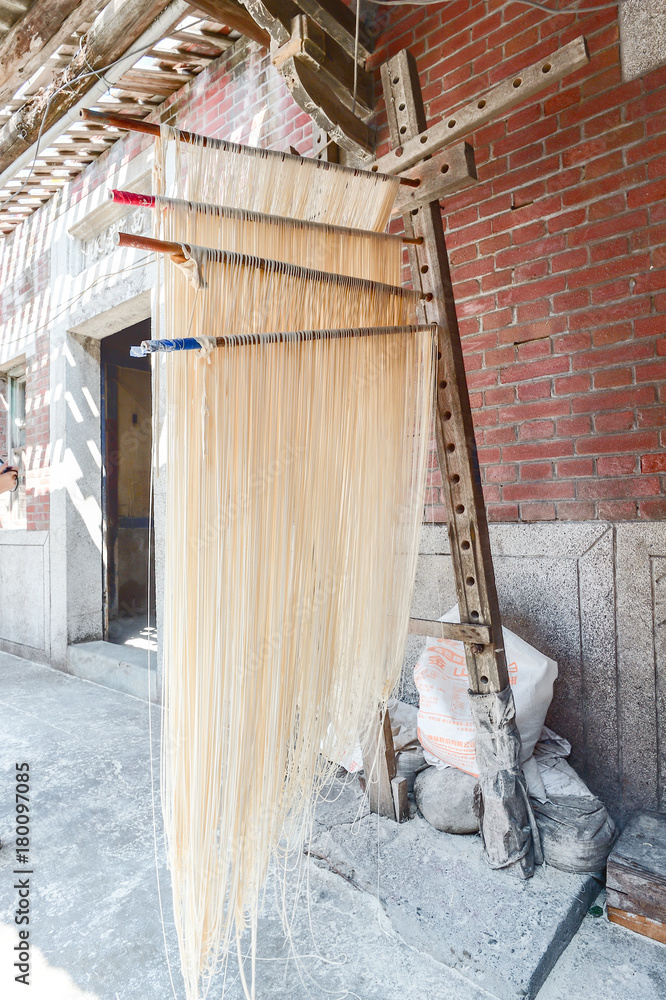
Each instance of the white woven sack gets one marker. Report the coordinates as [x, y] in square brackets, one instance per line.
[445, 727]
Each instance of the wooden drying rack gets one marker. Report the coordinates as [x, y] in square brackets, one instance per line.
[456, 446]
[431, 170]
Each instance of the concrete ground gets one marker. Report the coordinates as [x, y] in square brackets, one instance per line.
[386, 915]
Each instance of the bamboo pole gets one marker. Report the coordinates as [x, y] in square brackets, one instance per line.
[148, 201]
[176, 252]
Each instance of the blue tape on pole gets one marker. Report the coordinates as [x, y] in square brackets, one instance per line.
[151, 346]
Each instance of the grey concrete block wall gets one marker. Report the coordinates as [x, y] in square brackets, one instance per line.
[24, 593]
[642, 36]
[593, 597]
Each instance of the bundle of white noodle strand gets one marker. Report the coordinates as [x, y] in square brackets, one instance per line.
[295, 481]
[361, 253]
[261, 180]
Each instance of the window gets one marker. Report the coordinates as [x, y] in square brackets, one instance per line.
[16, 441]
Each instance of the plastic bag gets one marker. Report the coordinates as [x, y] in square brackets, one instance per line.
[445, 727]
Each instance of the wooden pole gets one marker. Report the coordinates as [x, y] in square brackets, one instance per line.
[148, 201]
[175, 251]
[456, 446]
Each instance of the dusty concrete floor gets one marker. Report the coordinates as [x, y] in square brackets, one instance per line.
[96, 932]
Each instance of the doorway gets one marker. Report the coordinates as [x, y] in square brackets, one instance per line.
[129, 590]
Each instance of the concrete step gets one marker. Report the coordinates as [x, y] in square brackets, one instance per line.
[441, 897]
[121, 668]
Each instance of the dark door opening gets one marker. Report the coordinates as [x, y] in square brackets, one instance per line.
[126, 447]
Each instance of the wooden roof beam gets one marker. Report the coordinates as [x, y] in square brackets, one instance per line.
[114, 32]
[36, 36]
[234, 15]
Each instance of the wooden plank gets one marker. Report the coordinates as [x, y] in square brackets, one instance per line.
[654, 929]
[207, 41]
[175, 57]
[380, 767]
[311, 44]
[112, 34]
[274, 16]
[409, 147]
[636, 869]
[36, 36]
[316, 99]
[445, 173]
[450, 630]
[456, 446]
[235, 15]
[155, 78]
[323, 148]
[400, 800]
[339, 22]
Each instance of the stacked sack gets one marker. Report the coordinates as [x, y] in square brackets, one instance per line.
[576, 831]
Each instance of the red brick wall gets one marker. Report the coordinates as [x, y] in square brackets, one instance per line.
[38, 456]
[559, 261]
[24, 283]
[558, 252]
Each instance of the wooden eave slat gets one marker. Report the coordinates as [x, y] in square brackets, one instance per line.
[44, 27]
[234, 15]
[206, 41]
[156, 77]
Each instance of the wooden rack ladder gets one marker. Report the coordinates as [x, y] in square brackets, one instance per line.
[481, 628]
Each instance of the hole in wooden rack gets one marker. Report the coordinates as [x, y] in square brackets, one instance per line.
[403, 129]
[455, 478]
[318, 138]
[442, 384]
[424, 269]
[396, 79]
[447, 414]
[374, 168]
[460, 508]
[517, 82]
[484, 679]
[399, 151]
[474, 615]
[481, 104]
[401, 107]
[445, 168]
[439, 358]
[451, 447]
[470, 581]
[452, 123]
[415, 211]
[465, 545]
[546, 68]
[424, 138]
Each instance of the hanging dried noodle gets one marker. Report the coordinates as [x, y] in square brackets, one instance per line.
[262, 180]
[362, 253]
[295, 477]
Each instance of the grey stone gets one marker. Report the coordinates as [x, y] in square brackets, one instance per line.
[607, 961]
[642, 36]
[371, 929]
[445, 798]
[24, 570]
[122, 668]
[98, 931]
[440, 896]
